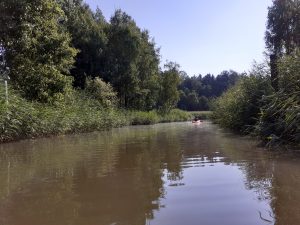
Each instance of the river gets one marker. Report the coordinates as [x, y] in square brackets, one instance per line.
[164, 174]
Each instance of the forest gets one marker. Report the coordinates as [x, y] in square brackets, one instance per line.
[69, 70]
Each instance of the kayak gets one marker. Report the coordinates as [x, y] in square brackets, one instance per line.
[196, 121]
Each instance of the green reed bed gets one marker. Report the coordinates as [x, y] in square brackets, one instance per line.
[20, 118]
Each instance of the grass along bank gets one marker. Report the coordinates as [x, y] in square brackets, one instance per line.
[202, 115]
[24, 119]
[152, 117]
[253, 106]
[21, 119]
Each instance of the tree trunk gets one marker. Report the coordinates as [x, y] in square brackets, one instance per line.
[274, 71]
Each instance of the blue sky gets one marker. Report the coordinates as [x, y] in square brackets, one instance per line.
[203, 36]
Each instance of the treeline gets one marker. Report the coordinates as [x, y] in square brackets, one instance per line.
[69, 70]
[51, 46]
[197, 92]
[267, 101]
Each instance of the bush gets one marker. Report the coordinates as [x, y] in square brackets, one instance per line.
[101, 91]
[38, 51]
[202, 115]
[143, 118]
[79, 113]
[152, 117]
[175, 115]
[280, 115]
[239, 107]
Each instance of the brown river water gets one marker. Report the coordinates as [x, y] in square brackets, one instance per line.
[165, 174]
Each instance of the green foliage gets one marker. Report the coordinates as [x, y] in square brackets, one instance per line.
[272, 114]
[175, 115]
[280, 120]
[239, 108]
[146, 96]
[192, 102]
[87, 29]
[102, 92]
[283, 27]
[43, 42]
[252, 105]
[289, 73]
[37, 48]
[169, 82]
[152, 117]
[79, 113]
[196, 92]
[131, 63]
[280, 114]
[121, 55]
[35, 42]
[143, 118]
[202, 115]
[23, 119]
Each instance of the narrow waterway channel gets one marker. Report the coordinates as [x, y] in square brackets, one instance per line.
[165, 174]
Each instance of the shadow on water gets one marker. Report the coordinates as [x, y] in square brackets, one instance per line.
[163, 174]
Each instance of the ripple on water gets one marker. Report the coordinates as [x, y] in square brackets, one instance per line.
[165, 174]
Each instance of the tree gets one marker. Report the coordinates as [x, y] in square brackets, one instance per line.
[203, 103]
[169, 93]
[192, 101]
[2, 61]
[196, 90]
[101, 91]
[239, 107]
[223, 81]
[88, 36]
[121, 56]
[131, 63]
[283, 27]
[283, 32]
[148, 74]
[37, 48]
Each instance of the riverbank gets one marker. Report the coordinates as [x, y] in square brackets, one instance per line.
[252, 106]
[22, 119]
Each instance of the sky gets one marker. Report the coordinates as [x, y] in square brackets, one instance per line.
[202, 36]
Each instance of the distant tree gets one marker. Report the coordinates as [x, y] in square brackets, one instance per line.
[192, 101]
[182, 103]
[196, 90]
[169, 93]
[192, 83]
[203, 103]
[37, 48]
[208, 82]
[223, 81]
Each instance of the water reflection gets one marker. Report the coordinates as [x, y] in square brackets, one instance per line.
[163, 174]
